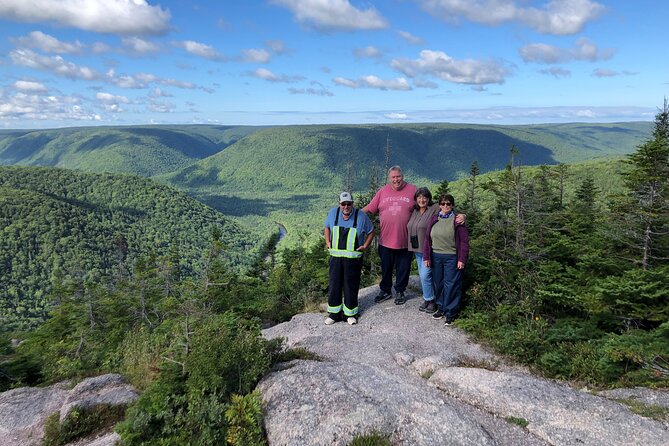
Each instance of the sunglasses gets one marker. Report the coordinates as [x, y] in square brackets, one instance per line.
[445, 203]
[346, 203]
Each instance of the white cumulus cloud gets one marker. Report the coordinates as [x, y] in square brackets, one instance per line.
[200, 49]
[47, 43]
[256, 55]
[55, 64]
[441, 65]
[584, 49]
[263, 73]
[125, 17]
[36, 87]
[139, 46]
[333, 14]
[559, 17]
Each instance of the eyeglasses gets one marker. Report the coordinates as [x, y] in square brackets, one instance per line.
[445, 203]
[346, 203]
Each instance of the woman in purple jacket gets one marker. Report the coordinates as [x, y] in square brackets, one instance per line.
[445, 250]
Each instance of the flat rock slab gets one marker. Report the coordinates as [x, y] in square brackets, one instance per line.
[404, 375]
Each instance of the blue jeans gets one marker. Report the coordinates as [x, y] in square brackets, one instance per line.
[425, 273]
[447, 283]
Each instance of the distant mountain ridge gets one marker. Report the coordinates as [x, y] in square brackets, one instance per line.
[142, 150]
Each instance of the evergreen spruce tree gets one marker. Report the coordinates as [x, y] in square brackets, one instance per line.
[646, 211]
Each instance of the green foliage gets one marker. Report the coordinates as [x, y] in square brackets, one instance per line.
[188, 400]
[372, 439]
[299, 281]
[659, 413]
[637, 297]
[244, 416]
[522, 422]
[59, 226]
[80, 423]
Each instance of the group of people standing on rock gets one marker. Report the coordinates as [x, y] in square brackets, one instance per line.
[411, 225]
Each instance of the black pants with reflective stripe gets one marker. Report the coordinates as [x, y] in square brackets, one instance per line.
[344, 276]
[400, 261]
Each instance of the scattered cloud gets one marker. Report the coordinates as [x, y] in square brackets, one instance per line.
[35, 87]
[441, 65]
[110, 102]
[276, 46]
[139, 46]
[38, 107]
[410, 38]
[398, 116]
[158, 93]
[556, 72]
[161, 107]
[424, 83]
[256, 56]
[367, 52]
[55, 64]
[47, 43]
[333, 15]
[124, 17]
[311, 91]
[602, 72]
[345, 82]
[200, 50]
[584, 49]
[371, 81]
[263, 73]
[559, 17]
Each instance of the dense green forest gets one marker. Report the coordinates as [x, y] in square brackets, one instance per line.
[142, 150]
[568, 274]
[57, 224]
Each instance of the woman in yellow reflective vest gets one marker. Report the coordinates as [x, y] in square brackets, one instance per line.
[348, 232]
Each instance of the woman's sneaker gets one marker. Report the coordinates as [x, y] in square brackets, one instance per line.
[431, 307]
[437, 314]
[382, 296]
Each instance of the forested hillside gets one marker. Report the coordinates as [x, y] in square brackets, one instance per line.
[304, 158]
[142, 150]
[57, 224]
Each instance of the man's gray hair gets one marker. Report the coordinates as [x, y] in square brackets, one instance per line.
[395, 169]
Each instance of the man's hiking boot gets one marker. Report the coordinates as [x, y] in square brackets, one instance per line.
[400, 299]
[382, 296]
[437, 314]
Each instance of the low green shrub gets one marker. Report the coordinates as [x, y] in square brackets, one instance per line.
[372, 439]
[80, 423]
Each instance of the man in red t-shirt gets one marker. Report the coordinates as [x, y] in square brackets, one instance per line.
[394, 203]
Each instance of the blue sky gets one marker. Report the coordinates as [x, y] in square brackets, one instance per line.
[273, 62]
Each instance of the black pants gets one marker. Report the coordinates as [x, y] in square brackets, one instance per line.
[400, 261]
[344, 276]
